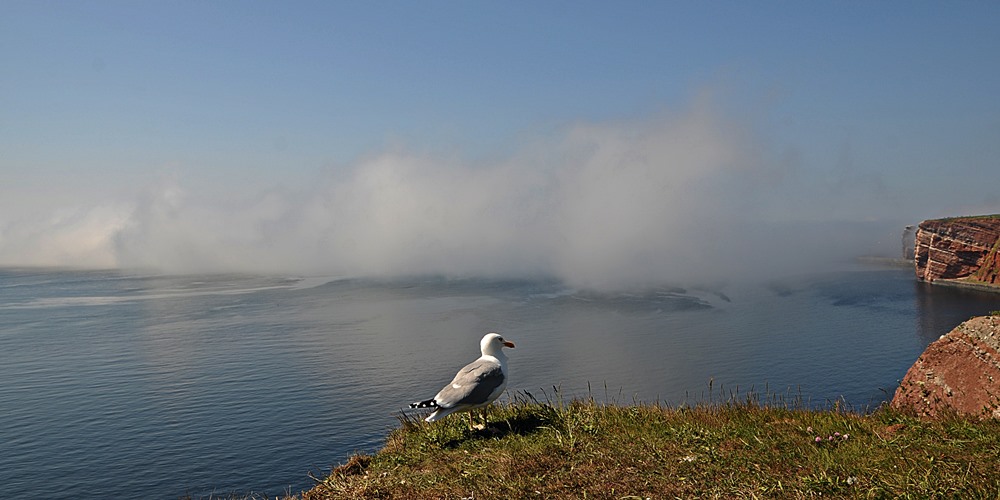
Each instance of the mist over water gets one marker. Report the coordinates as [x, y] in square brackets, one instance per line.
[685, 196]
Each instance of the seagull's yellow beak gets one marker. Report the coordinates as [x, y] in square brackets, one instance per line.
[508, 343]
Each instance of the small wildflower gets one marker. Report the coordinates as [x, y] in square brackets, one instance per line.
[819, 439]
[809, 429]
[829, 438]
[844, 436]
[851, 480]
[836, 434]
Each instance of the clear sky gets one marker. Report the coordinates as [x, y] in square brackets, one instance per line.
[480, 137]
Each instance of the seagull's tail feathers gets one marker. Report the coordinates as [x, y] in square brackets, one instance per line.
[438, 412]
[430, 403]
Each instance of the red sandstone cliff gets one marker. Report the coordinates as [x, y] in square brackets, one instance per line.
[960, 372]
[962, 247]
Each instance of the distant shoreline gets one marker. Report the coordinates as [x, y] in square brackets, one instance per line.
[967, 284]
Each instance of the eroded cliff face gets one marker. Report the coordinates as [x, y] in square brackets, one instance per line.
[963, 247]
[958, 372]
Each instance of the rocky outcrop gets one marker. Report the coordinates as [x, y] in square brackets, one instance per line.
[959, 248]
[958, 372]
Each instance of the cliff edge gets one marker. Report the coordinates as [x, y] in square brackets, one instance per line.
[959, 372]
[959, 248]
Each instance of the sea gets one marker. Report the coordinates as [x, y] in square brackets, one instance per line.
[124, 384]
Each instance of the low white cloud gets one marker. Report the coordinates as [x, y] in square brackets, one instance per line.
[77, 236]
[676, 197]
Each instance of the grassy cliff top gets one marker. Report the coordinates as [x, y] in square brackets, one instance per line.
[739, 449]
[968, 217]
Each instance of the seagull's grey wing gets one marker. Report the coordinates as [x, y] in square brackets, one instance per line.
[472, 385]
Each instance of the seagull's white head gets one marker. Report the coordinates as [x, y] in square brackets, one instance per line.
[493, 343]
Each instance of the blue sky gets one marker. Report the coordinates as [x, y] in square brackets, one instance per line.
[121, 120]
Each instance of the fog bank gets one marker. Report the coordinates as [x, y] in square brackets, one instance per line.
[685, 196]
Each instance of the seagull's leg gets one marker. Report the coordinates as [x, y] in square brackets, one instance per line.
[477, 427]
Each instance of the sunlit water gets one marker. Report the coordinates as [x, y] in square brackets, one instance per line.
[118, 385]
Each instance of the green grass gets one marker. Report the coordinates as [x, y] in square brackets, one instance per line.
[736, 449]
[963, 217]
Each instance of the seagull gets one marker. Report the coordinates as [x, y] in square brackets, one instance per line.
[476, 385]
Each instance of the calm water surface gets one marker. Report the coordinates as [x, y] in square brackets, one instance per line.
[115, 384]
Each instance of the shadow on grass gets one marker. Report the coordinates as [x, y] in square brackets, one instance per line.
[519, 425]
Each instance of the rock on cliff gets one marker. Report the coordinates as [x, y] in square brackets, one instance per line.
[962, 247]
[960, 372]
